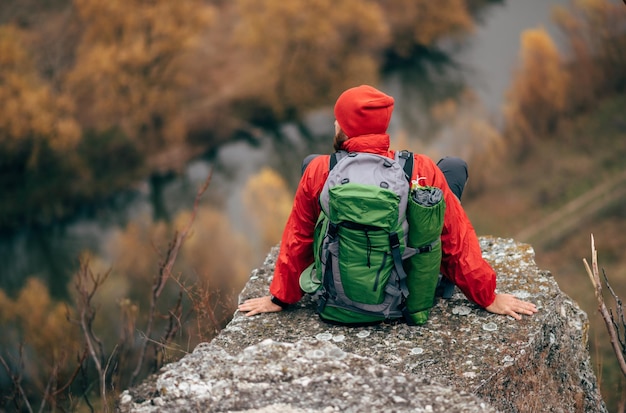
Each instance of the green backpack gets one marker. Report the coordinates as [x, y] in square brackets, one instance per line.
[363, 247]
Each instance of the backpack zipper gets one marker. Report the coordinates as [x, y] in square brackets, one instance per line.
[382, 265]
[368, 248]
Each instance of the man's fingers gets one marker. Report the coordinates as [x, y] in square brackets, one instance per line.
[526, 308]
[251, 313]
[514, 315]
[243, 306]
[249, 310]
[521, 307]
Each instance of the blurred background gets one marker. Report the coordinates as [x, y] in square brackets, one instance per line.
[114, 113]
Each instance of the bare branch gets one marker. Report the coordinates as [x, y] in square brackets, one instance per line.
[17, 382]
[174, 324]
[200, 295]
[46, 394]
[87, 314]
[72, 377]
[106, 368]
[158, 343]
[611, 327]
[619, 310]
[86, 389]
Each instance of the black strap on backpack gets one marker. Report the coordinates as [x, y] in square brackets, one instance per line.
[336, 157]
[406, 161]
[405, 158]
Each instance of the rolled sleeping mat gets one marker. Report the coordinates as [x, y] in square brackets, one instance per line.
[425, 215]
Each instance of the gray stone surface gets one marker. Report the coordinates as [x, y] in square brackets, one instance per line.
[307, 376]
[464, 359]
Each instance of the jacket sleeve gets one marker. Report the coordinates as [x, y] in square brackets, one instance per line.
[462, 260]
[296, 245]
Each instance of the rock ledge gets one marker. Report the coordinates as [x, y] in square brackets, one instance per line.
[463, 360]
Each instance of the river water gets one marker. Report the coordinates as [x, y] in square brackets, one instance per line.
[485, 63]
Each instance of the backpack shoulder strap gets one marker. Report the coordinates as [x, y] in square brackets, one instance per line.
[405, 158]
[336, 157]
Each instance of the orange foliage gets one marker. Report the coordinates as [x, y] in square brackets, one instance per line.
[6, 310]
[424, 22]
[123, 300]
[43, 322]
[304, 53]
[31, 114]
[215, 257]
[115, 311]
[268, 202]
[538, 94]
[546, 86]
[34, 319]
[445, 111]
[215, 252]
[214, 264]
[130, 67]
[134, 250]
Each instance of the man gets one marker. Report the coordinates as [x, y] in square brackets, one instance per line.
[362, 116]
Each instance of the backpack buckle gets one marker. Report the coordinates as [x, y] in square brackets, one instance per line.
[394, 240]
[425, 248]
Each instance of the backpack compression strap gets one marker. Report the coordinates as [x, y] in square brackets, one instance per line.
[397, 261]
[405, 158]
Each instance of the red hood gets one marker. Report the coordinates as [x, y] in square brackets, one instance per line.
[378, 144]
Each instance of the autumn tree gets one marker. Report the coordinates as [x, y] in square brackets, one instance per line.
[268, 203]
[537, 97]
[38, 132]
[33, 116]
[130, 67]
[38, 345]
[594, 33]
[421, 23]
[302, 54]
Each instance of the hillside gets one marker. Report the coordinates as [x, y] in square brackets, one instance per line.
[570, 186]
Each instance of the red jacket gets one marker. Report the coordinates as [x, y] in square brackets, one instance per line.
[462, 260]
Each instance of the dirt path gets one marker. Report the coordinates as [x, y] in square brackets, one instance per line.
[567, 218]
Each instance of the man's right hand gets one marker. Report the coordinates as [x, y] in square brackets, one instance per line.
[259, 305]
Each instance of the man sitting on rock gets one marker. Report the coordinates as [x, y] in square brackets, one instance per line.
[362, 116]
